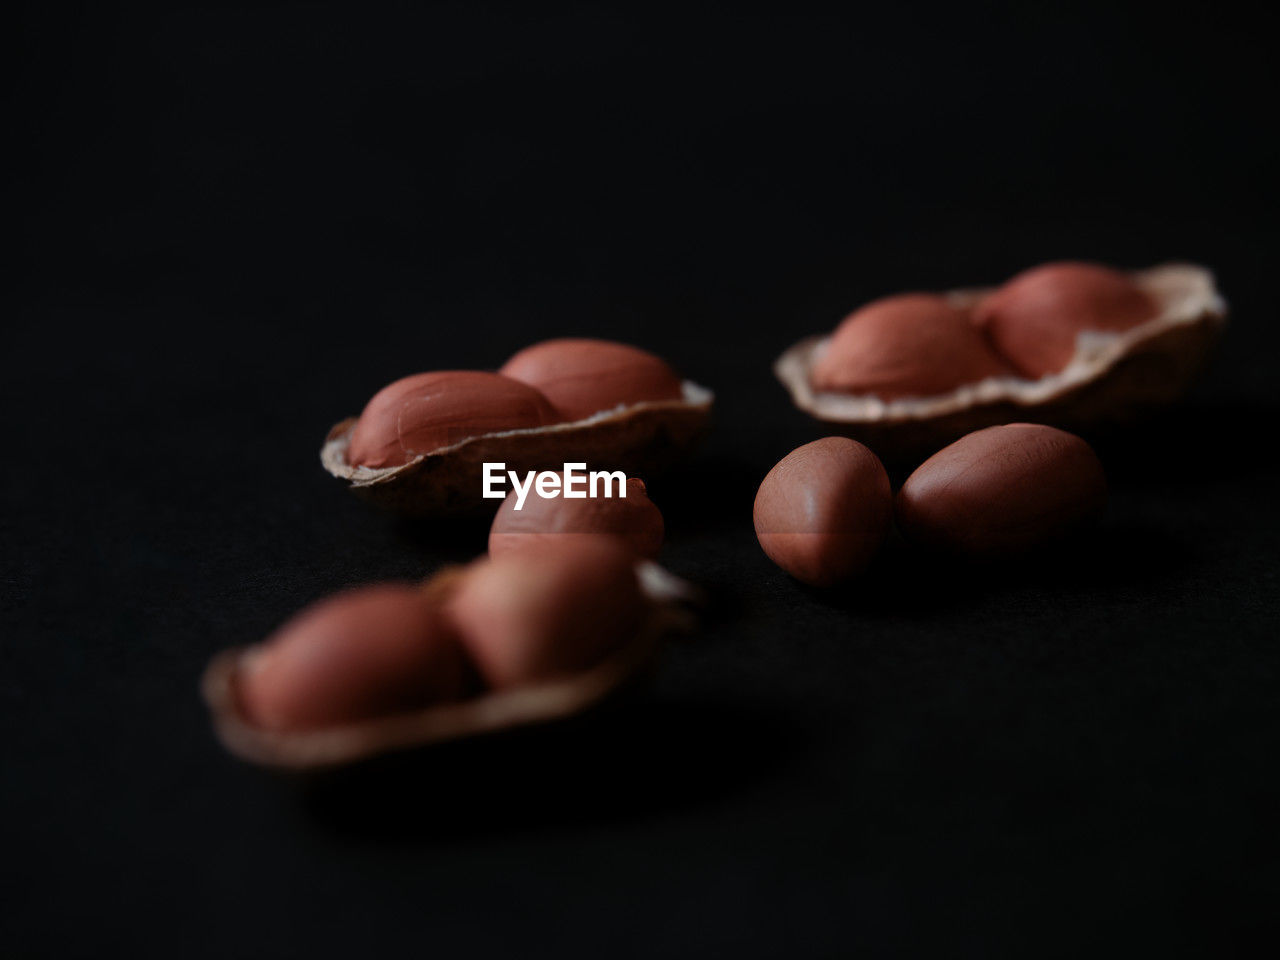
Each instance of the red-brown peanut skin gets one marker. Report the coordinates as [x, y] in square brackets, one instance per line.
[584, 377]
[1001, 491]
[429, 411]
[535, 615]
[632, 520]
[368, 652]
[912, 345]
[824, 510]
[1034, 319]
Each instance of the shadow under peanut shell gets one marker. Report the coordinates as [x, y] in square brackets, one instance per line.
[632, 759]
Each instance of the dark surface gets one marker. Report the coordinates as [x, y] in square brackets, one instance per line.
[239, 220]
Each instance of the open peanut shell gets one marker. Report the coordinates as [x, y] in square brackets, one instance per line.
[642, 438]
[670, 600]
[1113, 379]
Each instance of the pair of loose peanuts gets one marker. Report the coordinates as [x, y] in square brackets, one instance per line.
[925, 344]
[823, 512]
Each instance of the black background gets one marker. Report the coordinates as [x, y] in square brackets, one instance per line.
[238, 220]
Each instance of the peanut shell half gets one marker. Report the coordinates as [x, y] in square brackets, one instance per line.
[668, 597]
[642, 438]
[1114, 378]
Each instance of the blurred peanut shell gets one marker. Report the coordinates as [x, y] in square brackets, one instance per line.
[1114, 378]
[666, 600]
[1001, 491]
